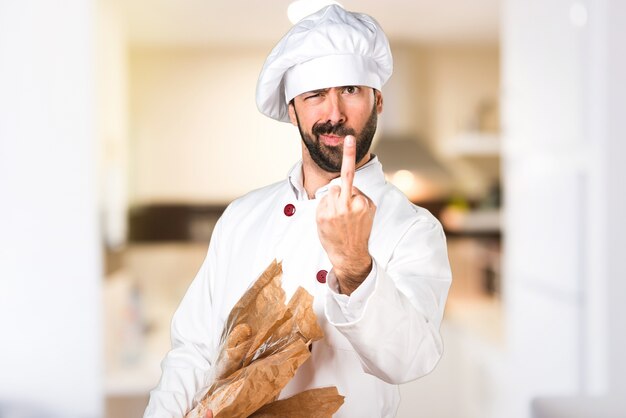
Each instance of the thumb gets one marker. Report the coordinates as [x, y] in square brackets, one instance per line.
[209, 414]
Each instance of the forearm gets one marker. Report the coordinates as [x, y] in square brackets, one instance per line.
[395, 341]
[392, 320]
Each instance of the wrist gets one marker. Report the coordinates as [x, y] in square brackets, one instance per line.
[351, 275]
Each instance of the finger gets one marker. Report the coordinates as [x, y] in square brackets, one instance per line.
[333, 197]
[322, 209]
[334, 191]
[359, 202]
[356, 193]
[347, 167]
[209, 414]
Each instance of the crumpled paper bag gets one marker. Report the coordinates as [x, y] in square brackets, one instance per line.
[312, 403]
[263, 343]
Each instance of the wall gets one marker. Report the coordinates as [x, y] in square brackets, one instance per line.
[50, 281]
[194, 119]
[564, 128]
[459, 78]
[545, 201]
[112, 121]
[406, 101]
[196, 135]
[612, 69]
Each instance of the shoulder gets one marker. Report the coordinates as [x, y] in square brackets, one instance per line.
[399, 220]
[396, 208]
[256, 200]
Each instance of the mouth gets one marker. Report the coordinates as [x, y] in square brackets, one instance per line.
[331, 140]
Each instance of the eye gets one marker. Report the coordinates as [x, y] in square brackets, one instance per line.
[351, 89]
[311, 96]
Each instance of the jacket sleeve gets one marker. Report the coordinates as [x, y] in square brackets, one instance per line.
[395, 329]
[185, 369]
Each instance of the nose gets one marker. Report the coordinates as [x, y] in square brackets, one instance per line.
[336, 112]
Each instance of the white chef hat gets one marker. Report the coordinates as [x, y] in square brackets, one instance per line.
[330, 48]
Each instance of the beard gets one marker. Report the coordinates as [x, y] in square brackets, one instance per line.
[329, 158]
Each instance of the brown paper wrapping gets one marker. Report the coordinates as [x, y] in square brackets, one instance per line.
[263, 343]
[262, 382]
[313, 403]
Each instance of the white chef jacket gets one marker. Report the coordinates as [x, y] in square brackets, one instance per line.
[384, 334]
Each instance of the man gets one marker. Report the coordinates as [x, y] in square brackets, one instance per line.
[376, 264]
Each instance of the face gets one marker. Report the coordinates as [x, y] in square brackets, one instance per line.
[324, 118]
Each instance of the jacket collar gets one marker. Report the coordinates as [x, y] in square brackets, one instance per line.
[367, 178]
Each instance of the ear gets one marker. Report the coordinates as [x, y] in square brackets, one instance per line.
[292, 113]
[379, 101]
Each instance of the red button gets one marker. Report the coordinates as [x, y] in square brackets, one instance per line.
[289, 209]
[321, 276]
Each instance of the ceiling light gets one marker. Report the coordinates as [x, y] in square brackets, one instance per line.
[300, 9]
[404, 180]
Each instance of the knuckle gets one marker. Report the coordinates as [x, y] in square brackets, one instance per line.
[359, 203]
[325, 216]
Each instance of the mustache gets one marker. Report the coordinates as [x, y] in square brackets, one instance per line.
[329, 129]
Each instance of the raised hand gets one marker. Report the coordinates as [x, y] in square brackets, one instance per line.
[344, 223]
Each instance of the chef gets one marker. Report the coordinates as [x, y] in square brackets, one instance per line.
[376, 264]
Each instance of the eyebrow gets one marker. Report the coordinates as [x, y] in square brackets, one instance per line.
[317, 91]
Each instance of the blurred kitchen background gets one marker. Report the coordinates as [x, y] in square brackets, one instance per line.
[126, 127]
